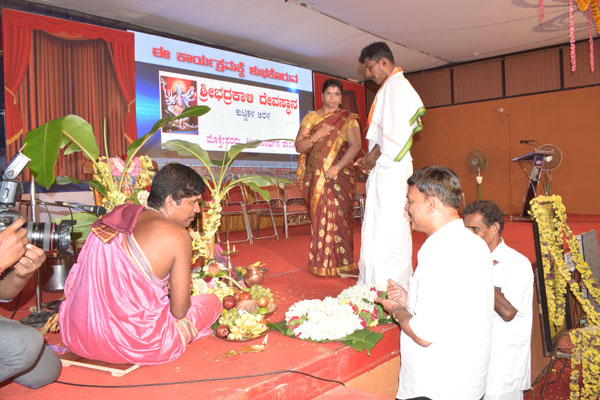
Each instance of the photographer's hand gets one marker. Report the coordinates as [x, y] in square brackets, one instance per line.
[12, 244]
[16, 279]
[34, 257]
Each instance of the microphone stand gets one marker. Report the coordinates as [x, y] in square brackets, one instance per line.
[38, 316]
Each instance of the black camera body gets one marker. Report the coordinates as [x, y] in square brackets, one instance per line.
[46, 235]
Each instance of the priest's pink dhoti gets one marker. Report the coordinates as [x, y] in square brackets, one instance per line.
[116, 310]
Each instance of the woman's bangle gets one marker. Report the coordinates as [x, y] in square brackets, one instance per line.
[311, 139]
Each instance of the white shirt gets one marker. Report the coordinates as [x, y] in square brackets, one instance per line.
[510, 362]
[452, 301]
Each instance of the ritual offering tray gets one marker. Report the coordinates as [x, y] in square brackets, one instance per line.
[240, 325]
[268, 314]
[244, 314]
[246, 304]
[246, 338]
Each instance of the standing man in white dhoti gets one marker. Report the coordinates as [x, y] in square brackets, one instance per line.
[395, 116]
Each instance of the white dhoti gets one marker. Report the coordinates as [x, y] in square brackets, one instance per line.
[386, 241]
[386, 246]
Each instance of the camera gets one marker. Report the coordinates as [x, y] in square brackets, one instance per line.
[46, 235]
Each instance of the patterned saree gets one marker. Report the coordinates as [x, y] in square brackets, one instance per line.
[330, 200]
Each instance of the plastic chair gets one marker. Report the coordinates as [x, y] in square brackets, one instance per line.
[360, 195]
[260, 207]
[293, 208]
[235, 205]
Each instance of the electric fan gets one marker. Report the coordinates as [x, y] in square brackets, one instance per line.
[476, 162]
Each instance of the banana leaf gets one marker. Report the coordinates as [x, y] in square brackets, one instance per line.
[43, 143]
[65, 180]
[364, 339]
[256, 182]
[189, 149]
[238, 148]
[76, 134]
[194, 111]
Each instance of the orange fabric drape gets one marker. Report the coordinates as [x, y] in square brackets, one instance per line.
[56, 67]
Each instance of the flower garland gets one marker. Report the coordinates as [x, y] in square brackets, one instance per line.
[592, 5]
[124, 186]
[133, 186]
[334, 318]
[572, 38]
[550, 216]
[593, 9]
[551, 230]
[591, 41]
[551, 248]
[203, 242]
[586, 353]
[321, 320]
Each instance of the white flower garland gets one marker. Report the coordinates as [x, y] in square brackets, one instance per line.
[333, 318]
[361, 296]
[324, 319]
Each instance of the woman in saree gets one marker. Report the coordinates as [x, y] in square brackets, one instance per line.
[328, 140]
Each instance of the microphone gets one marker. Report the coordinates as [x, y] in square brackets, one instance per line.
[97, 210]
[526, 141]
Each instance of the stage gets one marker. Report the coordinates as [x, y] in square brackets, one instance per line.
[288, 368]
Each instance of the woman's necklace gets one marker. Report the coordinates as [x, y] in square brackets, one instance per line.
[323, 113]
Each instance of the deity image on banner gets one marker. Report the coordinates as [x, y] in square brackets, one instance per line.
[176, 95]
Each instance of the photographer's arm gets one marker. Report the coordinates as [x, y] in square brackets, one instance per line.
[16, 279]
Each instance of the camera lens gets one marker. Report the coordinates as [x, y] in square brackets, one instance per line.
[50, 236]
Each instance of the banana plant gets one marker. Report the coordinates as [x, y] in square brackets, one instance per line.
[218, 185]
[73, 133]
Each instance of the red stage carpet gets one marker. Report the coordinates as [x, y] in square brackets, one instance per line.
[288, 368]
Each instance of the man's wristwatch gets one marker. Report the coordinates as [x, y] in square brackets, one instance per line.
[395, 310]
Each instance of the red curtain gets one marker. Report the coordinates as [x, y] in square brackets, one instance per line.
[122, 55]
[90, 67]
[18, 52]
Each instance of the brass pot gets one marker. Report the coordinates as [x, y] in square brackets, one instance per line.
[254, 276]
[54, 272]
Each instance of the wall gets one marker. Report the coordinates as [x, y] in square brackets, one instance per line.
[540, 97]
[567, 119]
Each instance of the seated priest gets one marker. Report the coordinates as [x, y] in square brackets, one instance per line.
[127, 299]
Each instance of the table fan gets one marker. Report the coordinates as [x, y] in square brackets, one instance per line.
[476, 162]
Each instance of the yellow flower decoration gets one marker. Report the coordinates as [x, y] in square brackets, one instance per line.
[124, 183]
[550, 215]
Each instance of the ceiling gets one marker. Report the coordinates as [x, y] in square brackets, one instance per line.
[327, 35]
